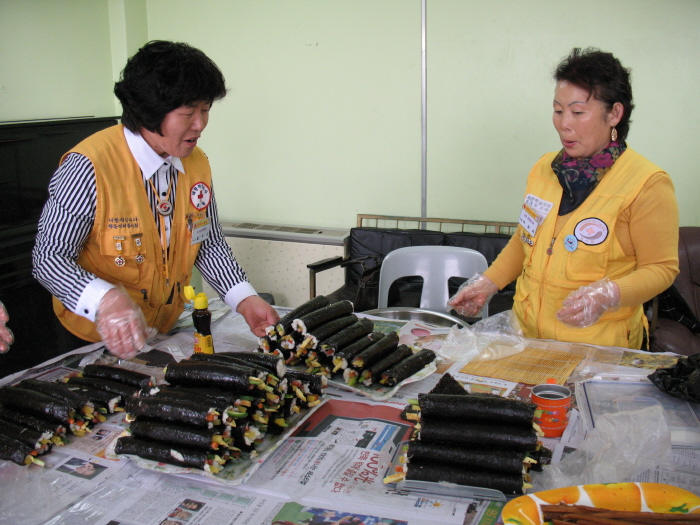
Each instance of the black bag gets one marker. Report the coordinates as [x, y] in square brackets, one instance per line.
[367, 297]
[681, 380]
[368, 290]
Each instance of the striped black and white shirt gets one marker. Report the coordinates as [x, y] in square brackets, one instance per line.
[68, 216]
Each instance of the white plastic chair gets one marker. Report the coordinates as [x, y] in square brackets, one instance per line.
[436, 265]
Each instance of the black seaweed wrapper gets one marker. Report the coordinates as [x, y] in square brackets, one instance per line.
[121, 375]
[204, 403]
[201, 373]
[115, 387]
[480, 435]
[35, 403]
[436, 472]
[13, 450]
[476, 407]
[449, 385]
[161, 452]
[168, 410]
[314, 381]
[312, 305]
[466, 457]
[409, 366]
[26, 420]
[173, 433]
[681, 380]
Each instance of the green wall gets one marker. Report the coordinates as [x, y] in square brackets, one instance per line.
[322, 120]
[55, 59]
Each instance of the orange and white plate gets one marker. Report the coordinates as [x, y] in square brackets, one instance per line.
[635, 497]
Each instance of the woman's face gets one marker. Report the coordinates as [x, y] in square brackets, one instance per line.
[582, 121]
[181, 128]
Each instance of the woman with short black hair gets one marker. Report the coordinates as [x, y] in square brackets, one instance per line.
[131, 210]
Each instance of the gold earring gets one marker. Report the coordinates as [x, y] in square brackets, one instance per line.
[613, 135]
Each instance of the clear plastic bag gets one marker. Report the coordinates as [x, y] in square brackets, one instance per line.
[494, 337]
[621, 445]
[22, 488]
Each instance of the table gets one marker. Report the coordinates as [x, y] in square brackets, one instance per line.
[334, 462]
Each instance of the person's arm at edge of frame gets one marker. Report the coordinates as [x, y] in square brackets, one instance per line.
[6, 335]
[218, 266]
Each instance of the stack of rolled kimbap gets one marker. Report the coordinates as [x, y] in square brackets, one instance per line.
[214, 407]
[26, 433]
[38, 414]
[331, 341]
[475, 440]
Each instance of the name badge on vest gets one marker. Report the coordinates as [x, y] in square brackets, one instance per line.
[533, 213]
[200, 230]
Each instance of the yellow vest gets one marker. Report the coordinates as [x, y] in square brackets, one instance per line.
[124, 219]
[551, 272]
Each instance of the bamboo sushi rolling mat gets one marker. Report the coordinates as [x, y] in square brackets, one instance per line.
[532, 366]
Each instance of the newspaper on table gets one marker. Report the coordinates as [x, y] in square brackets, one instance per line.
[331, 467]
[341, 455]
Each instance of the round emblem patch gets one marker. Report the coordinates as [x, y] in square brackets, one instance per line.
[165, 208]
[200, 195]
[591, 231]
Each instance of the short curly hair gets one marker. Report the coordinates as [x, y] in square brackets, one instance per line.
[163, 76]
[602, 75]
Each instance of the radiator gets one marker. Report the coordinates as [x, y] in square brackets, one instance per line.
[274, 258]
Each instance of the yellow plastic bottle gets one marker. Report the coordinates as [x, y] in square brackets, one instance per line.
[201, 318]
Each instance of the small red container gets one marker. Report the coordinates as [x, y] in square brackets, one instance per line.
[554, 401]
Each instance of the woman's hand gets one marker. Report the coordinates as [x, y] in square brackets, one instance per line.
[6, 335]
[121, 324]
[583, 307]
[473, 295]
[258, 314]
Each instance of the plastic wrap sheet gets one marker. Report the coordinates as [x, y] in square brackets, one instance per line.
[22, 488]
[500, 336]
[491, 338]
[621, 445]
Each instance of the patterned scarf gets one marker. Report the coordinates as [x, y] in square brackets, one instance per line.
[579, 177]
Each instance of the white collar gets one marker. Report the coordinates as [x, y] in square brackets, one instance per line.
[147, 159]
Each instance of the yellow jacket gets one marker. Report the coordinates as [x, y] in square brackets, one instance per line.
[549, 271]
[125, 228]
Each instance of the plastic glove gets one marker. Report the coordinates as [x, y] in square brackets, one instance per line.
[583, 307]
[258, 314]
[6, 335]
[473, 295]
[121, 324]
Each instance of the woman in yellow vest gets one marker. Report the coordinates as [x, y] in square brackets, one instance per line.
[598, 229]
[131, 210]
